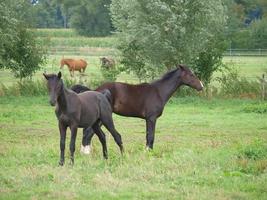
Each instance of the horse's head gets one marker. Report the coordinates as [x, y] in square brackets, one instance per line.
[103, 61]
[62, 63]
[189, 78]
[54, 85]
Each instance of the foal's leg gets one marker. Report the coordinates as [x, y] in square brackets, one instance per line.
[102, 137]
[62, 130]
[108, 123]
[150, 132]
[72, 143]
[86, 141]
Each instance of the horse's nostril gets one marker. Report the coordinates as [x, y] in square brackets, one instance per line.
[52, 103]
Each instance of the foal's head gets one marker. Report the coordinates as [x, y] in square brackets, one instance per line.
[54, 85]
[189, 78]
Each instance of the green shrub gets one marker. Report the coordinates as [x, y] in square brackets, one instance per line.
[256, 108]
[234, 85]
[110, 74]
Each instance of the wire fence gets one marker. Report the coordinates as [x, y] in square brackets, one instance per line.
[245, 52]
[103, 51]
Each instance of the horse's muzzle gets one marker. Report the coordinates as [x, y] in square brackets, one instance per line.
[52, 103]
[200, 87]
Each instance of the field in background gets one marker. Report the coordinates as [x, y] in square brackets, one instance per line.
[203, 149]
[62, 41]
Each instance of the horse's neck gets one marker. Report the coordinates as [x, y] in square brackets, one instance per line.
[167, 87]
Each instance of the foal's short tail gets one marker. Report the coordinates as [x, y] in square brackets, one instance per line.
[107, 94]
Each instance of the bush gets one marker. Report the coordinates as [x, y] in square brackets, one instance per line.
[260, 108]
[110, 74]
[234, 85]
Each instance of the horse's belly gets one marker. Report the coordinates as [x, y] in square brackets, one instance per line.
[128, 110]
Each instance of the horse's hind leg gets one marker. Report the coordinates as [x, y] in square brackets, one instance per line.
[102, 138]
[86, 141]
[108, 123]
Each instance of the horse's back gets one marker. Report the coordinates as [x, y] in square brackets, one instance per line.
[130, 100]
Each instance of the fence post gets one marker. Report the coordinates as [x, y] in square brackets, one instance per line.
[263, 88]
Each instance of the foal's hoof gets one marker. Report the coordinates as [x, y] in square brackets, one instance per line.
[148, 148]
[71, 163]
[61, 163]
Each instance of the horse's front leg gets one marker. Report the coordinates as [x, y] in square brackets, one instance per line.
[150, 132]
[62, 130]
[86, 141]
[72, 143]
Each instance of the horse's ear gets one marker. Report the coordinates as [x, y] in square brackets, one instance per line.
[59, 75]
[180, 66]
[46, 77]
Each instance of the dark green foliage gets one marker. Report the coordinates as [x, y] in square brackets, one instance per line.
[47, 14]
[155, 36]
[209, 60]
[91, 18]
[109, 75]
[19, 50]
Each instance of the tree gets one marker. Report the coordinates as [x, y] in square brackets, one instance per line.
[158, 34]
[19, 51]
[47, 14]
[91, 18]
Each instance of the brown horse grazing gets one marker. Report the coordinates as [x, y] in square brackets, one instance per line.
[74, 65]
[107, 63]
[83, 110]
[147, 100]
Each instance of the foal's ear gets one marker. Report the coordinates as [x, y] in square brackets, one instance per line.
[59, 75]
[181, 67]
[46, 77]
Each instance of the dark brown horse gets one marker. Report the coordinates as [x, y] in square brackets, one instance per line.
[74, 65]
[83, 110]
[107, 63]
[147, 100]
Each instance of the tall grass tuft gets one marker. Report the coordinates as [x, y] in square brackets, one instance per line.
[28, 87]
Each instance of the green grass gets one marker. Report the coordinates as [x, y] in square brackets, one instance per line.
[204, 149]
[251, 66]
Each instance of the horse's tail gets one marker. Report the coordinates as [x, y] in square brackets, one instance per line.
[79, 88]
[107, 94]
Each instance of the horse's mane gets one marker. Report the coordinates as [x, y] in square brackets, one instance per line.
[167, 75]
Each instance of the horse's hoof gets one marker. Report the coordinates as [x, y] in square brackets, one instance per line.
[85, 149]
[71, 163]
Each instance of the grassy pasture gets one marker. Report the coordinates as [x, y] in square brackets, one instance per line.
[203, 148]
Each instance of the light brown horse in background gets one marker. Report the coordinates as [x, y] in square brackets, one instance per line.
[74, 65]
